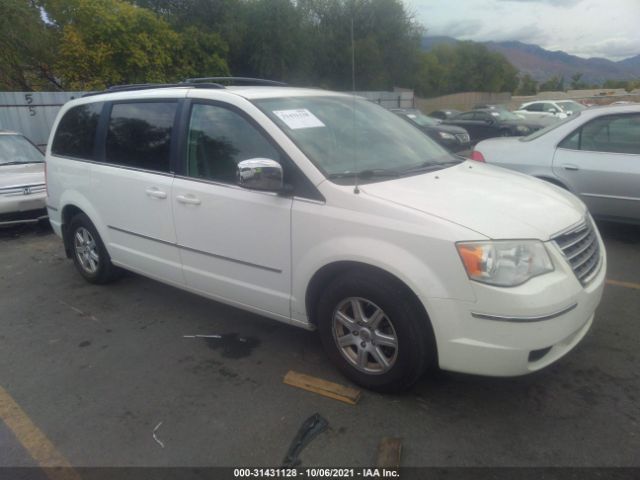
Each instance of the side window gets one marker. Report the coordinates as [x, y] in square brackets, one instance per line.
[465, 116]
[139, 135]
[76, 133]
[572, 142]
[534, 107]
[614, 134]
[219, 139]
[547, 107]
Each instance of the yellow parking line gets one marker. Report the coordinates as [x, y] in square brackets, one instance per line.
[53, 463]
[624, 284]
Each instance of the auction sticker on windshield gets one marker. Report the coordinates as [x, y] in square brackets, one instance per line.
[298, 118]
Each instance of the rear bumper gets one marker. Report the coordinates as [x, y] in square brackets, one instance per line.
[15, 210]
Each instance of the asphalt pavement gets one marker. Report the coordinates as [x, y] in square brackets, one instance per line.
[105, 375]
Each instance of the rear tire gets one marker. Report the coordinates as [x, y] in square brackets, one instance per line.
[89, 253]
[374, 332]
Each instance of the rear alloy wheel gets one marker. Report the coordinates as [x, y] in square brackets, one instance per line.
[374, 330]
[84, 246]
[89, 253]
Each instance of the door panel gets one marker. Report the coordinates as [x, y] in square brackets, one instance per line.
[235, 243]
[133, 188]
[139, 223]
[601, 163]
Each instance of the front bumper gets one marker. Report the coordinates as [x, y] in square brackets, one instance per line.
[515, 331]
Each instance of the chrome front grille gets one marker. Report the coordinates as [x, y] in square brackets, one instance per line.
[463, 137]
[581, 249]
[21, 190]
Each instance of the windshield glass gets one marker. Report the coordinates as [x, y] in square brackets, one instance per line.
[504, 115]
[571, 106]
[421, 119]
[341, 140]
[548, 128]
[17, 149]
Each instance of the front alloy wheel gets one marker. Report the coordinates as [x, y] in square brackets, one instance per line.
[365, 335]
[374, 330]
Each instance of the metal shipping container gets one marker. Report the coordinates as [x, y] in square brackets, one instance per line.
[32, 113]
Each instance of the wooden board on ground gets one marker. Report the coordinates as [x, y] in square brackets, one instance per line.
[323, 387]
[389, 452]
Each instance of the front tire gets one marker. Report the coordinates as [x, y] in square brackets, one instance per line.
[374, 332]
[89, 253]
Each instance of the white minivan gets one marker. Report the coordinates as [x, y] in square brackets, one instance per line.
[328, 212]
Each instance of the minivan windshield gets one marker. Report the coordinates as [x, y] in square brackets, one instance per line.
[16, 149]
[344, 136]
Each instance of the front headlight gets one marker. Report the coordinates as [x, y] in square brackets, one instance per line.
[447, 136]
[504, 263]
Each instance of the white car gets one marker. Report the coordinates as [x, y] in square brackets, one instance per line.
[595, 154]
[326, 212]
[22, 182]
[549, 110]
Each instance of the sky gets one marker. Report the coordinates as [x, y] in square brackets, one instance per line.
[586, 28]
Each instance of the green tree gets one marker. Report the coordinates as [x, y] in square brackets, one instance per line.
[464, 67]
[553, 84]
[576, 83]
[113, 42]
[26, 48]
[528, 86]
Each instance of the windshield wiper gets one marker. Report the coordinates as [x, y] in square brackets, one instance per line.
[429, 167]
[19, 163]
[368, 173]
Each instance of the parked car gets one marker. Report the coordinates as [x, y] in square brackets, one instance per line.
[453, 138]
[483, 124]
[326, 212]
[444, 114]
[594, 153]
[549, 109]
[489, 106]
[22, 183]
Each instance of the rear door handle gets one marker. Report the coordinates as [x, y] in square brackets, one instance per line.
[188, 199]
[155, 192]
[570, 167]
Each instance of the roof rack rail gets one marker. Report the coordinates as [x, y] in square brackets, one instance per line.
[238, 80]
[148, 86]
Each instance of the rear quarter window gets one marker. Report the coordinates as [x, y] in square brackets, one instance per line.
[76, 132]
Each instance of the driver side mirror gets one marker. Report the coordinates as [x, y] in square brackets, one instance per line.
[553, 111]
[260, 174]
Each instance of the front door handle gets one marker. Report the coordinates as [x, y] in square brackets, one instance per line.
[188, 199]
[155, 192]
[570, 167]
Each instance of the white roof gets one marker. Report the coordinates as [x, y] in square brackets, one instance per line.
[248, 92]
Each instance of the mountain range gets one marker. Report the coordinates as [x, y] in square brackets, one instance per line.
[543, 64]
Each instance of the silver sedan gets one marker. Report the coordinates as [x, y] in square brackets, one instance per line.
[594, 153]
[22, 181]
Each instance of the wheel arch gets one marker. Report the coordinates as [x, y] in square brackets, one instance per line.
[330, 271]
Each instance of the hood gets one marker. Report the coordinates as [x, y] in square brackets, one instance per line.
[19, 175]
[497, 203]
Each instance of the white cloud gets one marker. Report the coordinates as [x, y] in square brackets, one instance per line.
[586, 28]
